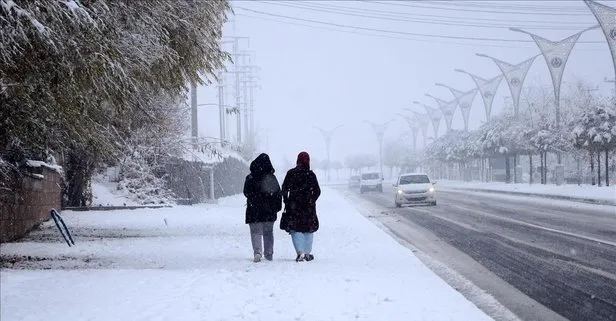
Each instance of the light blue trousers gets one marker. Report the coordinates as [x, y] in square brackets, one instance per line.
[302, 242]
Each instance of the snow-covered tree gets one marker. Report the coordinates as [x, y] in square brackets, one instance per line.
[358, 161]
[595, 131]
[337, 166]
[73, 73]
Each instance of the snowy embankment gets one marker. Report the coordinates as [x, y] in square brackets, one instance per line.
[603, 195]
[106, 193]
[194, 263]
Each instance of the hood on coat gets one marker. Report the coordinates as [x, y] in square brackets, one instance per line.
[303, 160]
[261, 165]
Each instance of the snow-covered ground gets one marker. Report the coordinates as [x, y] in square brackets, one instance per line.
[106, 193]
[604, 193]
[194, 263]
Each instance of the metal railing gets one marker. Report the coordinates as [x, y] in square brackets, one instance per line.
[66, 234]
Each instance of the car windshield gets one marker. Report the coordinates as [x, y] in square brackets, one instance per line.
[414, 179]
[354, 178]
[370, 176]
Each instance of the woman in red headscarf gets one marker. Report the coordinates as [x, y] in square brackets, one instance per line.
[300, 191]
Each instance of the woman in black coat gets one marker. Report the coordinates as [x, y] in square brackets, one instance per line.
[263, 202]
[300, 191]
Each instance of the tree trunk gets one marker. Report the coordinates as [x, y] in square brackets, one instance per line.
[607, 169]
[579, 171]
[530, 164]
[599, 182]
[592, 168]
[489, 169]
[507, 169]
[545, 163]
[515, 168]
[543, 170]
[541, 167]
[78, 175]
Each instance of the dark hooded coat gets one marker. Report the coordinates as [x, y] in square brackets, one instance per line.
[262, 191]
[300, 191]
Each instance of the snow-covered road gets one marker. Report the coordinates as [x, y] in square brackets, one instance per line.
[543, 259]
[194, 263]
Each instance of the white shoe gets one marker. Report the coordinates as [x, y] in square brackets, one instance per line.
[257, 258]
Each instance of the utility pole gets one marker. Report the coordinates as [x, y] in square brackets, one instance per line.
[249, 82]
[221, 108]
[236, 64]
[193, 115]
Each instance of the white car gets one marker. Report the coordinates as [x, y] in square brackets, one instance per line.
[371, 182]
[414, 188]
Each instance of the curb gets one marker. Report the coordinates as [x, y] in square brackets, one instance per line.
[558, 197]
[111, 208]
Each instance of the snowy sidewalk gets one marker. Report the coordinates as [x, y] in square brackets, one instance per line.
[605, 195]
[131, 265]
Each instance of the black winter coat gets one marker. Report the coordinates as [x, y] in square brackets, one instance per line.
[262, 191]
[300, 191]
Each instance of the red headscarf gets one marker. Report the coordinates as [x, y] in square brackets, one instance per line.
[303, 160]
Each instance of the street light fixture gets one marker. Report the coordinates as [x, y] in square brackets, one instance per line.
[515, 75]
[424, 121]
[379, 130]
[435, 115]
[556, 54]
[605, 16]
[487, 89]
[413, 125]
[327, 136]
[465, 101]
[448, 108]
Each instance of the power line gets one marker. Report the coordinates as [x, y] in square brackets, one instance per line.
[414, 14]
[532, 8]
[347, 12]
[404, 33]
[382, 36]
[415, 4]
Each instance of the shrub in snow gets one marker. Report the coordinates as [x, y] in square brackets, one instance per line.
[595, 128]
[138, 177]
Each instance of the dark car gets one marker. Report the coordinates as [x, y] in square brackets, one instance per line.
[354, 182]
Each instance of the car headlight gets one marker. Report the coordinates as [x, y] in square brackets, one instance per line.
[431, 189]
[400, 191]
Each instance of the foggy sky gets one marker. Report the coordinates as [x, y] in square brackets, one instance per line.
[313, 77]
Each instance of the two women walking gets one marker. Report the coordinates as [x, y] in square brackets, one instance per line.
[300, 191]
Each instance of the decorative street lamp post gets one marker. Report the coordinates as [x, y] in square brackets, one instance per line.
[556, 54]
[435, 116]
[327, 136]
[515, 75]
[487, 89]
[424, 121]
[379, 130]
[465, 101]
[448, 108]
[607, 20]
[414, 126]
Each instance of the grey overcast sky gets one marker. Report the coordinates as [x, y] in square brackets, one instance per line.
[327, 63]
